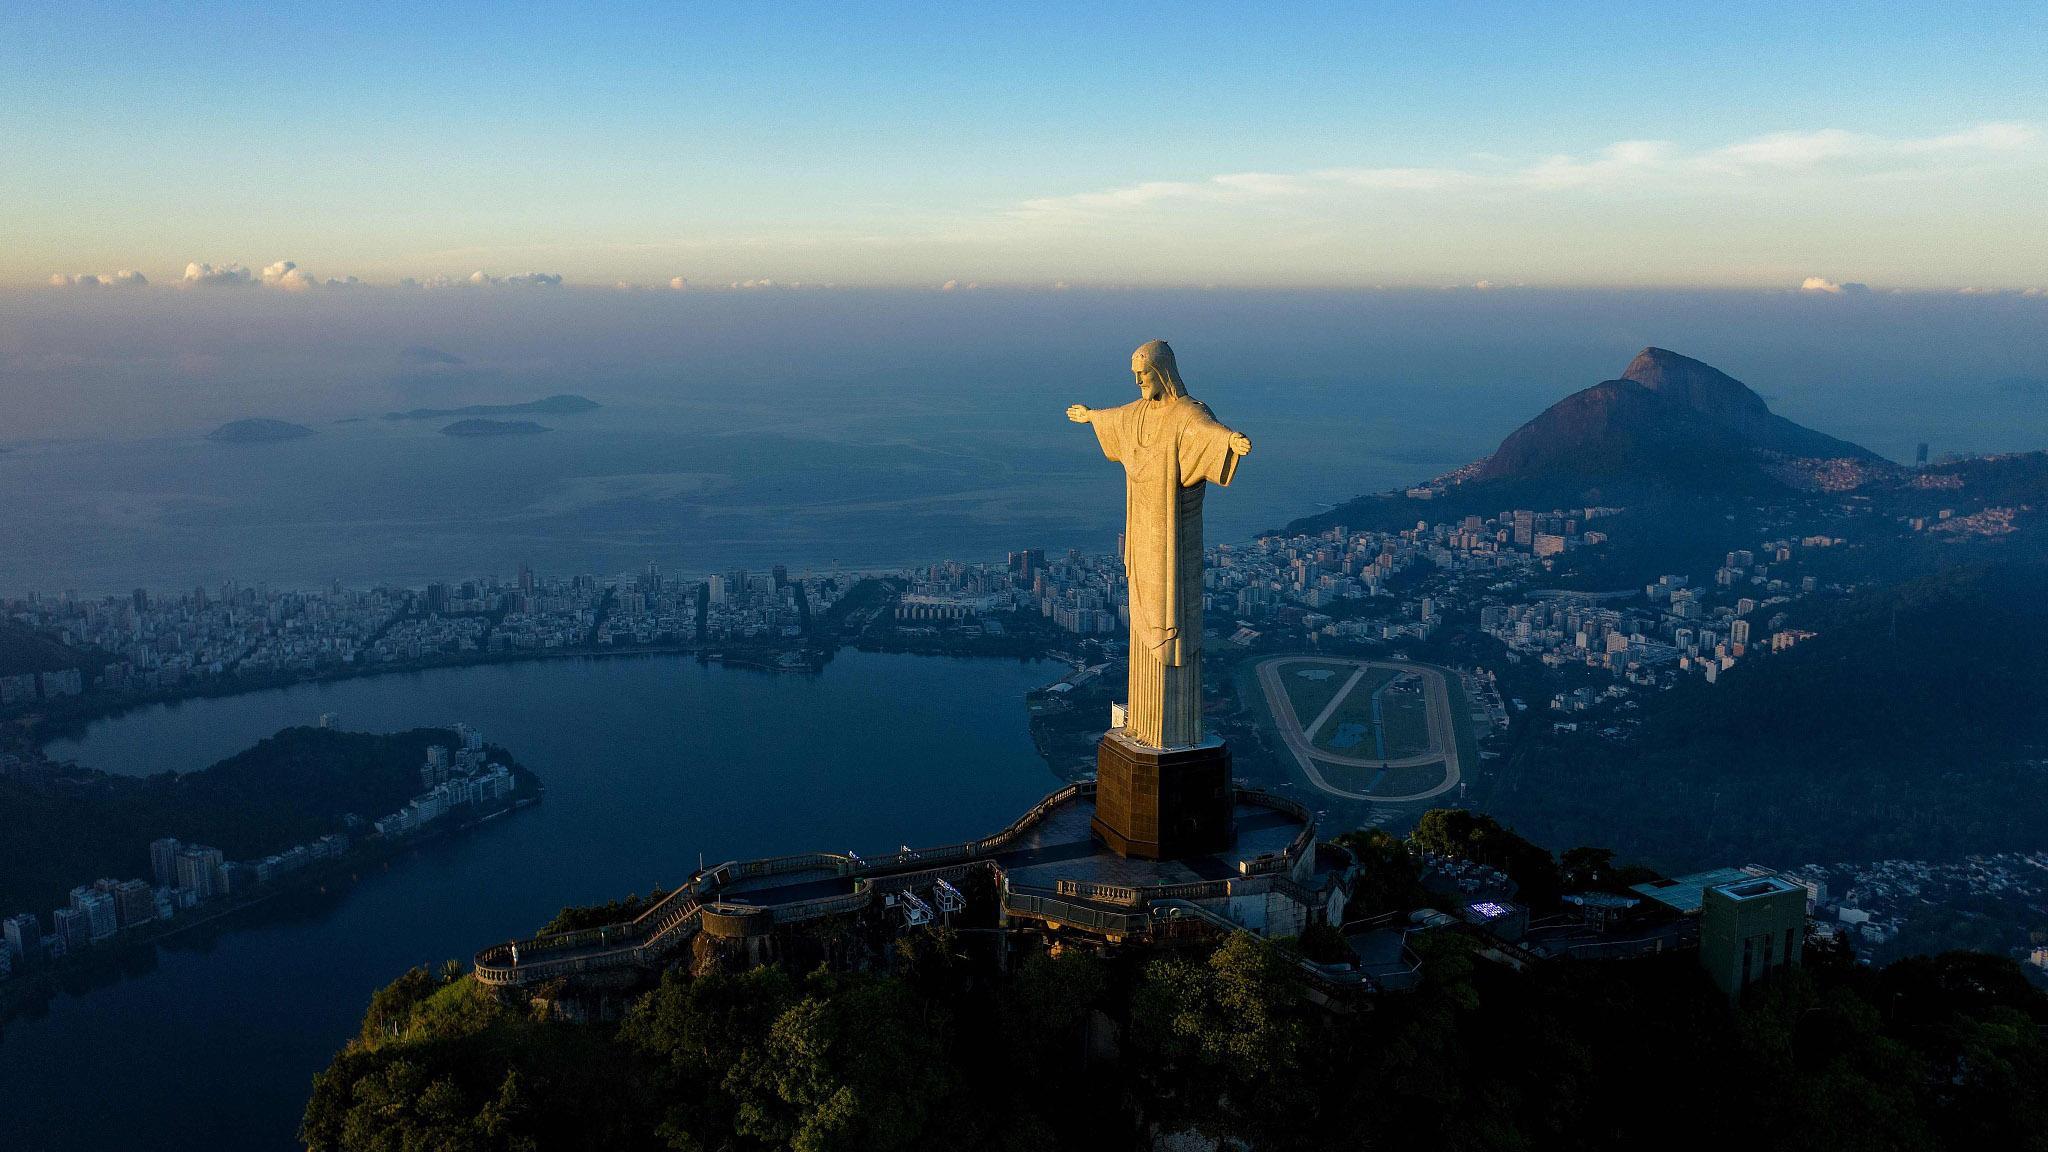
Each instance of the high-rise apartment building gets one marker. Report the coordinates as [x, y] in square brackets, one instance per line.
[163, 861]
[23, 936]
[199, 869]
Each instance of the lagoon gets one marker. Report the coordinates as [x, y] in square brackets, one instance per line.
[649, 762]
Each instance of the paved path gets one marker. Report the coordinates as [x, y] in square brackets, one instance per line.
[1343, 690]
[1443, 740]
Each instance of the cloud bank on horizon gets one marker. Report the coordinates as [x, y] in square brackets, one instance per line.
[1747, 213]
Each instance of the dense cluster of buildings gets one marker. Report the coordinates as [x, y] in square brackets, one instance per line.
[461, 781]
[183, 877]
[1320, 584]
[190, 876]
[1337, 583]
[1870, 903]
[1674, 629]
[167, 644]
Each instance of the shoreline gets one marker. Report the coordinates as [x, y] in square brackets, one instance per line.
[758, 659]
[106, 964]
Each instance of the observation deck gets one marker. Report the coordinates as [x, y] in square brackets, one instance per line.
[1048, 867]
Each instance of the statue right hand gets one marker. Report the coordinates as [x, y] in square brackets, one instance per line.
[1078, 413]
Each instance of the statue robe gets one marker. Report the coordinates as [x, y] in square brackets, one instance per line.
[1170, 451]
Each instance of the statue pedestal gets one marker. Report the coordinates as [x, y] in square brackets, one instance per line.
[1162, 803]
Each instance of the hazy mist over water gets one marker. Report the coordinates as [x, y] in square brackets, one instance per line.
[865, 427]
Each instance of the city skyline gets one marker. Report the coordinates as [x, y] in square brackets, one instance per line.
[917, 148]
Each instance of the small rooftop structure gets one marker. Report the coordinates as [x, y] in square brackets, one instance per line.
[1686, 893]
[1761, 886]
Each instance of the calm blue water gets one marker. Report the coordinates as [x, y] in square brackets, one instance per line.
[648, 762]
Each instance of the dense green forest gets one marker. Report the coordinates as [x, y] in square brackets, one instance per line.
[73, 826]
[1911, 726]
[1079, 1051]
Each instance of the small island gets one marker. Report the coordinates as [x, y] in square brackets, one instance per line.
[258, 432]
[561, 404]
[493, 428]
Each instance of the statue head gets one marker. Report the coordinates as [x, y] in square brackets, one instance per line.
[1158, 377]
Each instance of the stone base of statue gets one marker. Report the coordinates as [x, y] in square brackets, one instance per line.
[1162, 803]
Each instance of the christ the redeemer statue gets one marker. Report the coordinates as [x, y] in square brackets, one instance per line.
[1172, 449]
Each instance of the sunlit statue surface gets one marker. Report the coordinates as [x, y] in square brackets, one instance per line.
[1172, 449]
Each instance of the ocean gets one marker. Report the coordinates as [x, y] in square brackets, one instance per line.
[850, 429]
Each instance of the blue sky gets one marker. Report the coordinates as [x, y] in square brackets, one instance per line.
[1716, 145]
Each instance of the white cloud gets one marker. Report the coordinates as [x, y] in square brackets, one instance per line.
[523, 280]
[288, 276]
[678, 284]
[125, 278]
[1616, 163]
[207, 276]
[1808, 149]
[1825, 286]
[1757, 163]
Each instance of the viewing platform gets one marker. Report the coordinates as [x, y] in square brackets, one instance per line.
[1049, 870]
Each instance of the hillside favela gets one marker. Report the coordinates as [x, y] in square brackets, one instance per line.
[1211, 580]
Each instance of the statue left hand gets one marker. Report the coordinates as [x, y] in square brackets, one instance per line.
[1240, 444]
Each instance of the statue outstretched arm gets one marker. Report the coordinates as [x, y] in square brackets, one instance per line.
[1209, 450]
[1080, 413]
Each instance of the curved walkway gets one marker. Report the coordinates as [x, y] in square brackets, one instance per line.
[1443, 738]
[808, 886]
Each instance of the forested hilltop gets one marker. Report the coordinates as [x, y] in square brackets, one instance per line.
[1940, 1052]
[941, 1049]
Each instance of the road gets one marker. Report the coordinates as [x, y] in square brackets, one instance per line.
[1443, 741]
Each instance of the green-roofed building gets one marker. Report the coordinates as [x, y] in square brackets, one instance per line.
[1750, 926]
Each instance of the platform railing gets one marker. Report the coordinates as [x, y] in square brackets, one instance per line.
[657, 931]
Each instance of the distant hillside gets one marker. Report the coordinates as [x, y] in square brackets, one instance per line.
[1668, 418]
[565, 404]
[1910, 726]
[1668, 429]
[493, 428]
[23, 650]
[257, 431]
